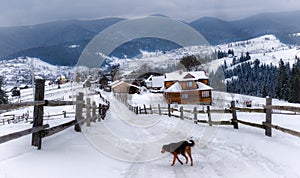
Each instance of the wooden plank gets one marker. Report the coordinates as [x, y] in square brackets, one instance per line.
[215, 122]
[38, 112]
[209, 116]
[258, 110]
[285, 130]
[169, 110]
[59, 128]
[22, 133]
[159, 109]
[58, 103]
[36, 103]
[195, 114]
[181, 112]
[217, 111]
[260, 126]
[285, 108]
[88, 112]
[145, 109]
[268, 130]
[234, 116]
[78, 111]
[19, 105]
[188, 111]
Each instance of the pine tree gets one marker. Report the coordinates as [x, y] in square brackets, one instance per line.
[282, 81]
[294, 95]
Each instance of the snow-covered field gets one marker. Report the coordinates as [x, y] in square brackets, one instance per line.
[128, 145]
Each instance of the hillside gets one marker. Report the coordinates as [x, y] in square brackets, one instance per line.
[267, 48]
[19, 71]
[50, 41]
[280, 24]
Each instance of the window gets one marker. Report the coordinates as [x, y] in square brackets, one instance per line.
[184, 96]
[205, 94]
[189, 84]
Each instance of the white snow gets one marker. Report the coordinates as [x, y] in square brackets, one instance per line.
[128, 145]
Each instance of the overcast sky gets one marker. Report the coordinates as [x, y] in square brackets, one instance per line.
[28, 12]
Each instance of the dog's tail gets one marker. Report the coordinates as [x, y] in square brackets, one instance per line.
[191, 143]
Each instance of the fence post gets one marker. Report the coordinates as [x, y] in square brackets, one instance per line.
[268, 123]
[159, 109]
[145, 109]
[181, 112]
[209, 116]
[65, 114]
[195, 115]
[78, 111]
[99, 112]
[234, 117]
[88, 112]
[169, 110]
[151, 109]
[94, 106]
[38, 112]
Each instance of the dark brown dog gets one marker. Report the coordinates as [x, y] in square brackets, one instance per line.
[179, 148]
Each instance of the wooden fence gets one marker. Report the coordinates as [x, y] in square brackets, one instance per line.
[181, 113]
[40, 130]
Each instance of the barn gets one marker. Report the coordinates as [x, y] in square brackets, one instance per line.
[187, 88]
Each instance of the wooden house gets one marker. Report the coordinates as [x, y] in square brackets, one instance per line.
[123, 87]
[187, 88]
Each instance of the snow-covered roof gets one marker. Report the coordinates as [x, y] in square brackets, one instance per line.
[183, 76]
[176, 87]
[158, 81]
[114, 82]
[121, 83]
[202, 86]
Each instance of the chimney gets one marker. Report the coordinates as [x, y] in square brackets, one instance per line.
[180, 72]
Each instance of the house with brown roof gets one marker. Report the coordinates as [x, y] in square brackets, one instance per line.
[187, 88]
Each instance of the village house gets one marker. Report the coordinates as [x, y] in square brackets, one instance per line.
[122, 87]
[187, 88]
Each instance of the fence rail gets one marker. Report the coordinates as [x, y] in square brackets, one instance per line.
[40, 131]
[182, 114]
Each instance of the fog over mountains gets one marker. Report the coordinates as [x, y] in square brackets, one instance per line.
[61, 42]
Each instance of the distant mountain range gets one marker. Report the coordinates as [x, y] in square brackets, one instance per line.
[61, 42]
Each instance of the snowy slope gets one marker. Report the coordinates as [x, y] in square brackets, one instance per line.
[19, 71]
[268, 49]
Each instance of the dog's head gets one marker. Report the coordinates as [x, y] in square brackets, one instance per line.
[164, 148]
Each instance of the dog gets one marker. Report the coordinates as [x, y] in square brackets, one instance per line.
[181, 147]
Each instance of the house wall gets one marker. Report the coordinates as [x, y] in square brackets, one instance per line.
[205, 81]
[123, 88]
[186, 87]
[193, 97]
[205, 100]
[168, 84]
